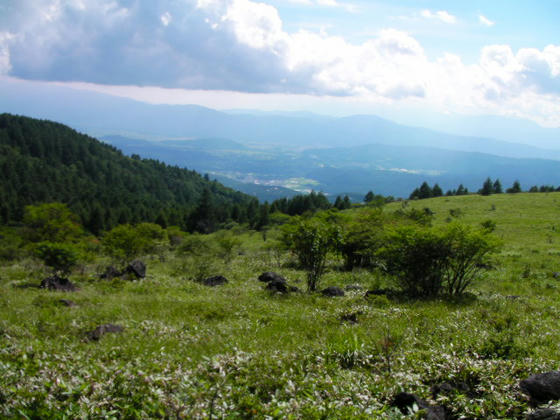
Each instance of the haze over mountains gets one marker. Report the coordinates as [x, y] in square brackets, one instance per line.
[300, 151]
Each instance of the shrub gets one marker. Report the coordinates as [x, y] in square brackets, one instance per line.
[60, 257]
[311, 241]
[122, 243]
[416, 257]
[52, 222]
[426, 261]
[468, 253]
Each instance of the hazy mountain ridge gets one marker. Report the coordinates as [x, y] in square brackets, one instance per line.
[388, 170]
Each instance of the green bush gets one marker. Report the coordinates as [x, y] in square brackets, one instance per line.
[60, 257]
[427, 262]
[416, 257]
[311, 241]
[126, 242]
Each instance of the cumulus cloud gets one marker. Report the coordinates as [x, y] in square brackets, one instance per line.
[440, 15]
[242, 45]
[483, 20]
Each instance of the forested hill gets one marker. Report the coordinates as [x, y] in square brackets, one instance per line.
[43, 161]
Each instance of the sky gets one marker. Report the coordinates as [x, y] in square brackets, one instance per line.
[394, 58]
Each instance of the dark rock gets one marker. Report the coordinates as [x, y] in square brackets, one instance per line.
[542, 387]
[353, 287]
[137, 268]
[101, 330]
[447, 388]
[214, 281]
[270, 276]
[544, 414]
[67, 302]
[332, 291]
[278, 286]
[380, 292]
[293, 289]
[405, 401]
[58, 283]
[110, 273]
[351, 317]
[556, 275]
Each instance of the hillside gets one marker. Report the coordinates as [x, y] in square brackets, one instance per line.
[237, 350]
[42, 161]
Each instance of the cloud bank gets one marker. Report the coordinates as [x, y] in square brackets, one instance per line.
[241, 45]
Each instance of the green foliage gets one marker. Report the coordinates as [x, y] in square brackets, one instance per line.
[311, 241]
[468, 255]
[126, 242]
[61, 257]
[427, 262]
[360, 238]
[52, 222]
[515, 188]
[416, 257]
[42, 161]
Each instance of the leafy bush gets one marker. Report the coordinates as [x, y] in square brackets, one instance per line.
[468, 252]
[60, 257]
[426, 261]
[416, 257]
[126, 242]
[52, 222]
[360, 239]
[311, 240]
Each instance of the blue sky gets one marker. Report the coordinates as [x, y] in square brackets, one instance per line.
[394, 58]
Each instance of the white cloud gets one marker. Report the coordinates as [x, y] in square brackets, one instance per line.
[5, 65]
[483, 20]
[440, 15]
[166, 18]
[242, 46]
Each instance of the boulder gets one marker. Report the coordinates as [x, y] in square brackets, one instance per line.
[544, 414]
[542, 387]
[101, 330]
[137, 268]
[110, 273]
[58, 283]
[405, 401]
[556, 275]
[278, 285]
[332, 291]
[214, 281]
[269, 276]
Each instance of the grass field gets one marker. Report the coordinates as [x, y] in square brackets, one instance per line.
[238, 351]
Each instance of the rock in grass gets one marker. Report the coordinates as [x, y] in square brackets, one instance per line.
[66, 302]
[332, 291]
[214, 281]
[405, 401]
[58, 283]
[137, 268]
[101, 330]
[278, 285]
[270, 276]
[544, 414]
[110, 273]
[542, 387]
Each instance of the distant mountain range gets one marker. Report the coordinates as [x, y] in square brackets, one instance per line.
[270, 154]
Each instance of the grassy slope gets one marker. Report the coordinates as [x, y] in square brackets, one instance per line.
[237, 352]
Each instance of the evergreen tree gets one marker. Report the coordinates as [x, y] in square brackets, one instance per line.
[497, 187]
[487, 187]
[515, 188]
[369, 197]
[437, 191]
[425, 191]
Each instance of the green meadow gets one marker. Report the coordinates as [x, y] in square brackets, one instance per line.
[239, 351]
